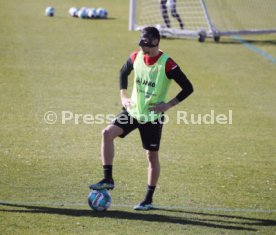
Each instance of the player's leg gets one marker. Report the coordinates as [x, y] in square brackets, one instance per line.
[107, 154]
[175, 14]
[151, 136]
[164, 13]
[153, 176]
[107, 149]
[153, 167]
[121, 126]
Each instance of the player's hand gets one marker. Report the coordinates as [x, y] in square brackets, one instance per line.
[160, 107]
[126, 102]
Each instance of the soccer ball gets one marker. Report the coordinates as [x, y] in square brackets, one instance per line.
[99, 200]
[83, 13]
[73, 11]
[50, 11]
[92, 13]
[102, 13]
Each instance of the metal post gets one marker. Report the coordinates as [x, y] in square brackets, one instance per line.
[207, 17]
[132, 14]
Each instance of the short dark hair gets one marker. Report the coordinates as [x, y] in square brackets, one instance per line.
[148, 34]
[151, 32]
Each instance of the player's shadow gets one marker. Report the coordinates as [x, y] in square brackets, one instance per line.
[223, 218]
[197, 219]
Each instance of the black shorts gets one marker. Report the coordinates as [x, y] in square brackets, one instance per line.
[150, 132]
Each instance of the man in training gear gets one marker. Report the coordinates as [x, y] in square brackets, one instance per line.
[153, 73]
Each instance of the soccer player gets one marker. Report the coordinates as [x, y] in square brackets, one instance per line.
[174, 13]
[154, 70]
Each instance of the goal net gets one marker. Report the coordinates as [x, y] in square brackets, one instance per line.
[204, 18]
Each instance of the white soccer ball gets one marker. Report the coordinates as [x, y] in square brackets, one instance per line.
[102, 13]
[99, 200]
[83, 13]
[50, 11]
[92, 13]
[73, 11]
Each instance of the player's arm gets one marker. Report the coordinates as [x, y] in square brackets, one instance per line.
[124, 73]
[181, 79]
[186, 86]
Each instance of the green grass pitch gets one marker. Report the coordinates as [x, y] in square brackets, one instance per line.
[215, 179]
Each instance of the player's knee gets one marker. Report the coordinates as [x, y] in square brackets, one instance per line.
[111, 132]
[107, 134]
[174, 13]
[152, 157]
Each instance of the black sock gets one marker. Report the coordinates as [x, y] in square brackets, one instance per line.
[149, 194]
[107, 169]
